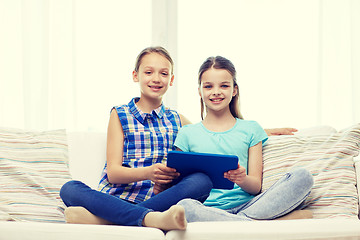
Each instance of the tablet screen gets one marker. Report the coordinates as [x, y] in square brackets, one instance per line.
[214, 165]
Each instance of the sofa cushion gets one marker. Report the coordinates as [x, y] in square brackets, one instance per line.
[33, 167]
[329, 157]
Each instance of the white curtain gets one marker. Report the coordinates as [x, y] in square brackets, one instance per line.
[37, 64]
[65, 63]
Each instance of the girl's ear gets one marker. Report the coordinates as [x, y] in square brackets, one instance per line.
[172, 80]
[135, 76]
[235, 90]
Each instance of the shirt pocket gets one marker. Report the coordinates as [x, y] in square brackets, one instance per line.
[138, 144]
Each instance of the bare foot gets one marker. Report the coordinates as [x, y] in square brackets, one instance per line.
[173, 218]
[297, 214]
[83, 216]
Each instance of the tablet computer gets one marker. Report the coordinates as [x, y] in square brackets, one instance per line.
[214, 165]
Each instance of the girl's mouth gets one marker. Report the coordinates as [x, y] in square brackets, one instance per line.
[216, 100]
[156, 88]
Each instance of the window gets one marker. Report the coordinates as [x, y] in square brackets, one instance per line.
[65, 64]
[273, 45]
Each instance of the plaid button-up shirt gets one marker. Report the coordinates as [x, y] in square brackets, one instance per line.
[148, 137]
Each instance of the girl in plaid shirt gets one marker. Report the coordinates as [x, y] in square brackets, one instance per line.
[140, 134]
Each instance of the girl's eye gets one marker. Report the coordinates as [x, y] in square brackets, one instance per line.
[225, 86]
[165, 74]
[207, 86]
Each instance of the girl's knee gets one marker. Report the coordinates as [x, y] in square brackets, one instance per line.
[68, 185]
[68, 188]
[303, 177]
[203, 180]
[188, 203]
[183, 202]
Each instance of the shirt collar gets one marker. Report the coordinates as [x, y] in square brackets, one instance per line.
[140, 115]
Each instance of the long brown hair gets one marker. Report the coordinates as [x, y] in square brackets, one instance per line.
[219, 62]
[160, 50]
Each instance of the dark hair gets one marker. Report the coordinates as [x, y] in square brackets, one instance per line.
[219, 62]
[160, 50]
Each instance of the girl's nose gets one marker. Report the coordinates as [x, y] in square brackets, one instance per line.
[216, 91]
[156, 78]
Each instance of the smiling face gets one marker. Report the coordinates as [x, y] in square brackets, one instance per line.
[154, 76]
[217, 89]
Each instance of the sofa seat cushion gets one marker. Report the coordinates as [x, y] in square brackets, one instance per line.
[329, 229]
[61, 231]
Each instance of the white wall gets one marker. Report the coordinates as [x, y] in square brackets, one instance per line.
[64, 64]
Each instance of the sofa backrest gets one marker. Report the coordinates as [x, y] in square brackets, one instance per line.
[87, 156]
[87, 153]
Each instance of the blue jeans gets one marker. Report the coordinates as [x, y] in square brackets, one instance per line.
[287, 194]
[121, 212]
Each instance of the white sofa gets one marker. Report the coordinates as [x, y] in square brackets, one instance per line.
[335, 215]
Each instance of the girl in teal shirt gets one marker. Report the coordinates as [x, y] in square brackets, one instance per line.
[223, 131]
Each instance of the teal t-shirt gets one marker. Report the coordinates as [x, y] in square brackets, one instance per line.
[235, 141]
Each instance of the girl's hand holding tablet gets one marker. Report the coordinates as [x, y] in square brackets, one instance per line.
[237, 175]
[161, 174]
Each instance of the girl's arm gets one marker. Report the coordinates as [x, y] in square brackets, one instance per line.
[184, 120]
[117, 174]
[252, 181]
[280, 131]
